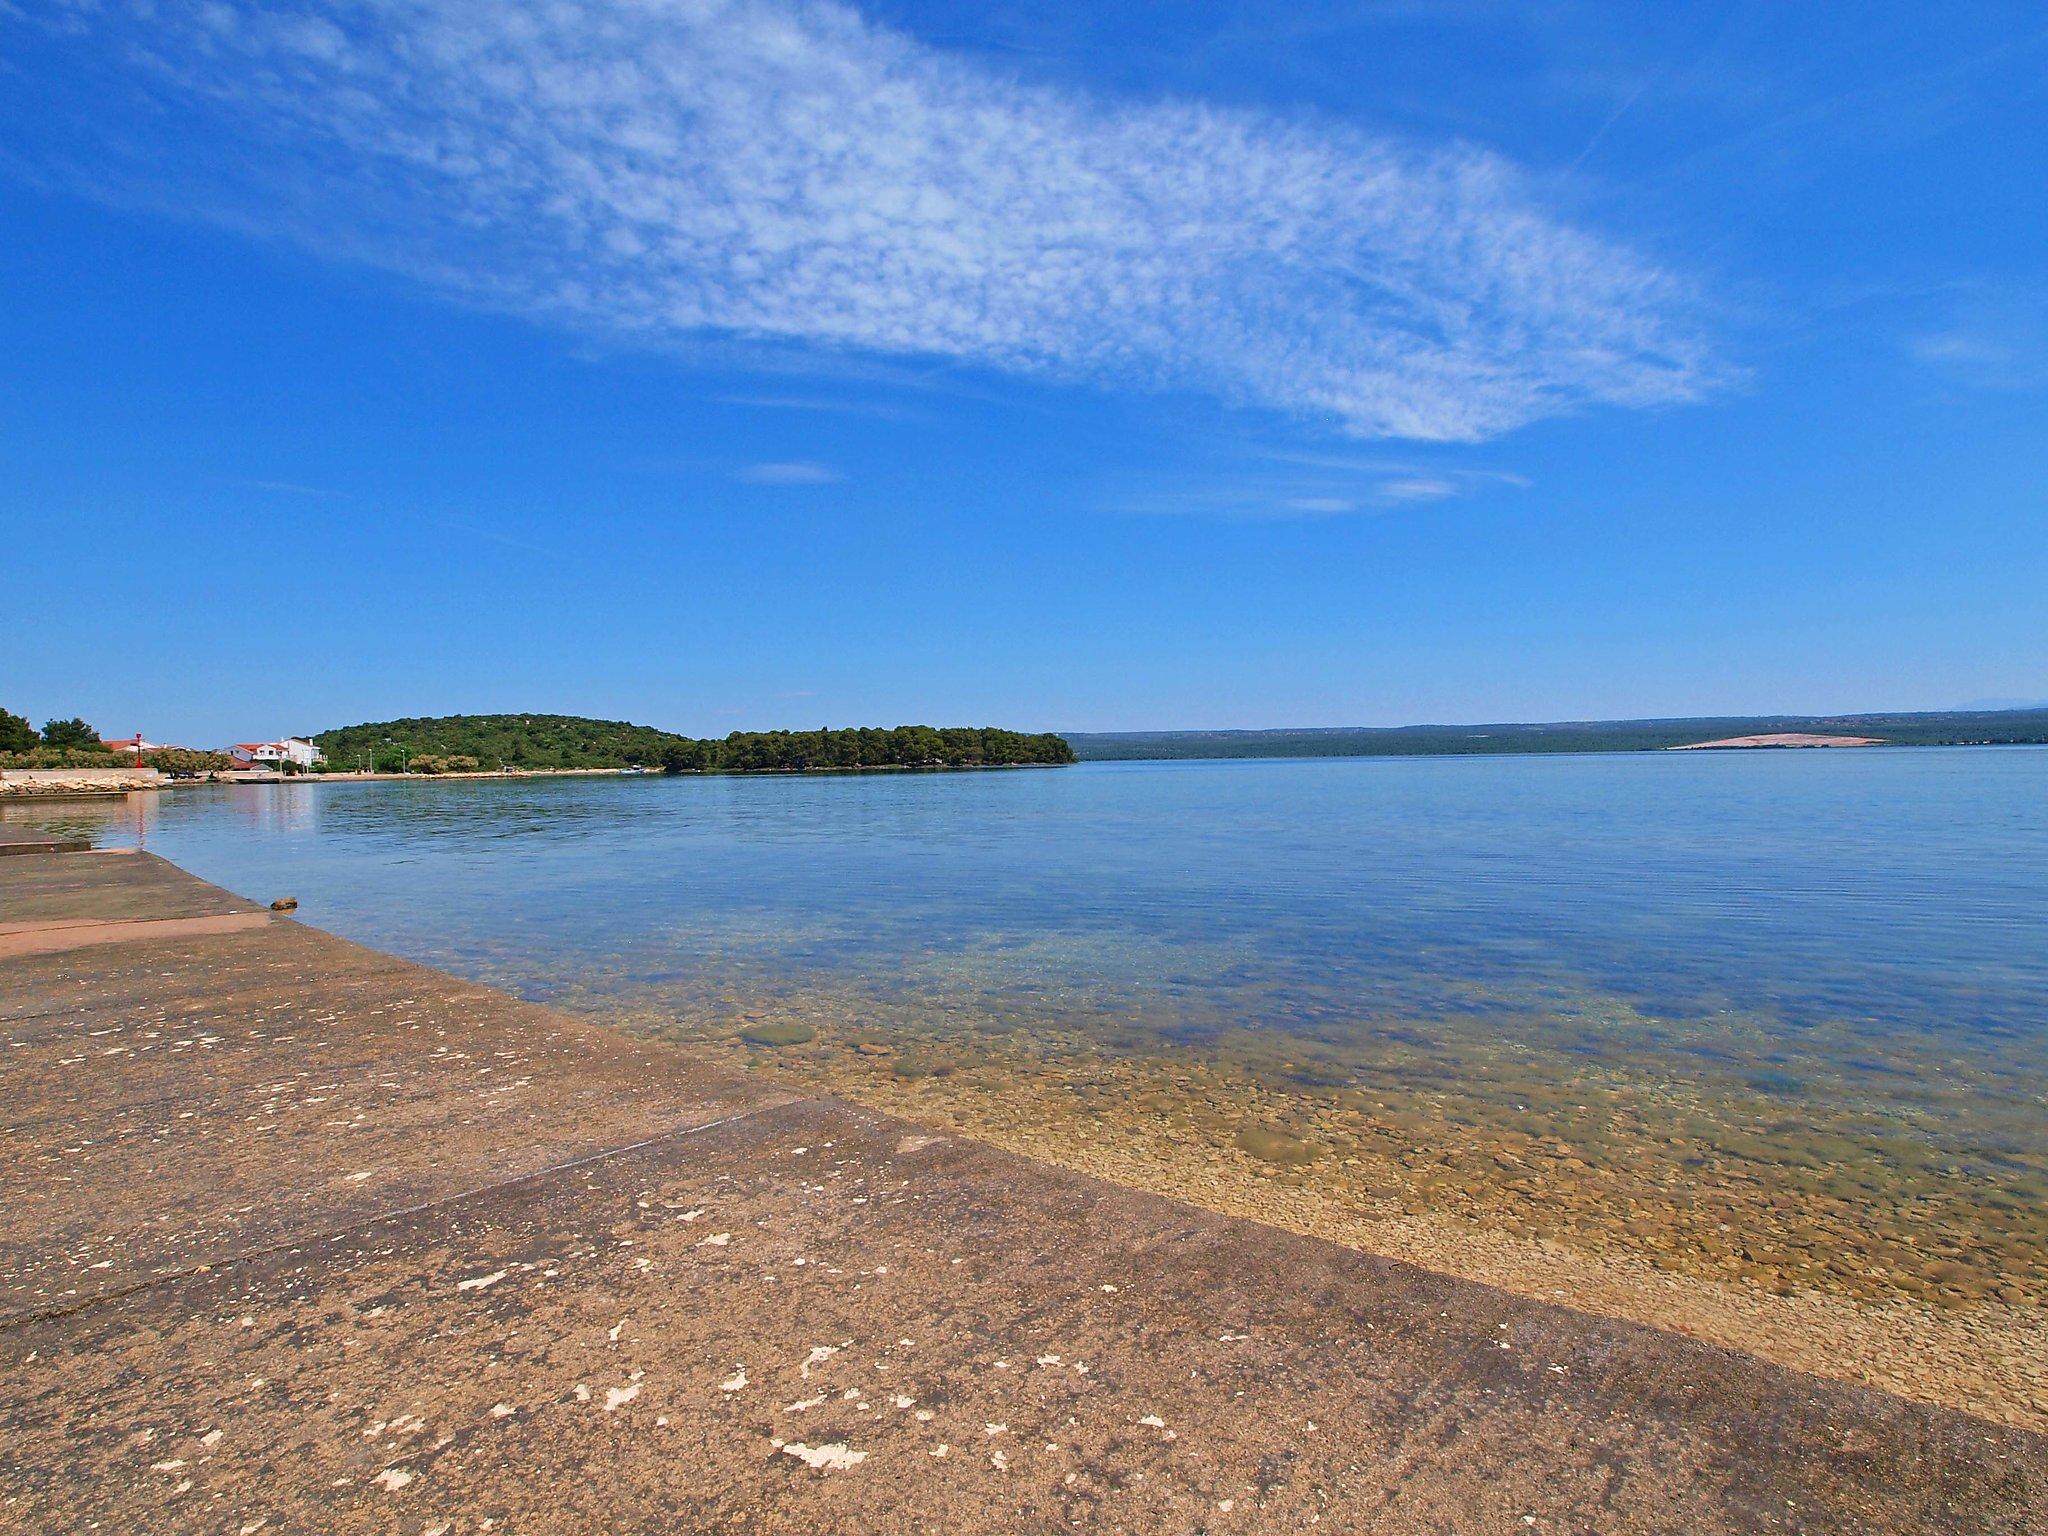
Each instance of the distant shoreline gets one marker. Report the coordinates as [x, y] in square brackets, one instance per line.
[1934, 728]
[1778, 740]
[594, 773]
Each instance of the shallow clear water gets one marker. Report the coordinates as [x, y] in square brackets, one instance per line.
[1900, 889]
[1836, 961]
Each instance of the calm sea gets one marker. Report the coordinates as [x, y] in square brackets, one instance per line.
[1769, 945]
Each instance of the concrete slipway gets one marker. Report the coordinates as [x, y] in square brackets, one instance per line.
[297, 1237]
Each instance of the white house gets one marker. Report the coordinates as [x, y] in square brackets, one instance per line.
[275, 754]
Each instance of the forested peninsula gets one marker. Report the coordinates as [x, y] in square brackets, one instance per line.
[471, 743]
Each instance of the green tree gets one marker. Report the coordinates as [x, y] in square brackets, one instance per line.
[16, 734]
[684, 756]
[73, 733]
[183, 761]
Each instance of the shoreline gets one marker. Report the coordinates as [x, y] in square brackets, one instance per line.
[228, 779]
[1818, 1293]
[602, 773]
[1986, 1356]
[23, 795]
[303, 1236]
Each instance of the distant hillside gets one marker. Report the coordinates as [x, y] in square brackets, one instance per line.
[1937, 728]
[450, 743]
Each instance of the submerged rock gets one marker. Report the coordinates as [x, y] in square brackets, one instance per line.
[778, 1034]
[1272, 1146]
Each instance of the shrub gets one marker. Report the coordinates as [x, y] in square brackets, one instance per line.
[62, 757]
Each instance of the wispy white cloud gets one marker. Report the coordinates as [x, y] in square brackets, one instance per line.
[1289, 487]
[286, 488]
[1419, 488]
[2006, 349]
[1399, 478]
[787, 474]
[1968, 330]
[785, 172]
[823, 405]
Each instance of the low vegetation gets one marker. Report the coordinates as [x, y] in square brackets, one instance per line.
[60, 757]
[454, 763]
[465, 743]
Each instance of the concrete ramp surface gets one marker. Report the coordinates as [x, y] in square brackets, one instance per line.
[297, 1237]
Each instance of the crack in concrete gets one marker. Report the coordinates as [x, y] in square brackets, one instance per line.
[13, 1320]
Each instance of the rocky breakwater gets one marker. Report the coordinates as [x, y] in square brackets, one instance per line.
[20, 783]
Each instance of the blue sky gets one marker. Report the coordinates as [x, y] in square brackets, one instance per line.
[732, 365]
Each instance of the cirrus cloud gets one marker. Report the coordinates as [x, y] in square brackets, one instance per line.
[1419, 488]
[799, 473]
[787, 172]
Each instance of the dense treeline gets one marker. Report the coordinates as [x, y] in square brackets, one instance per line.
[61, 744]
[453, 743]
[1922, 729]
[904, 746]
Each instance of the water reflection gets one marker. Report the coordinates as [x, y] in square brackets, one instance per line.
[94, 821]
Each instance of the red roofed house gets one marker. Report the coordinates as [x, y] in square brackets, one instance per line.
[275, 754]
[134, 746]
